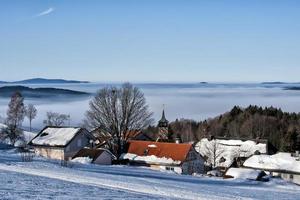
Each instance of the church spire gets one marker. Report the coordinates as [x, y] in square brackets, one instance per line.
[163, 122]
[163, 127]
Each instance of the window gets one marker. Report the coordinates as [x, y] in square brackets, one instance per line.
[44, 134]
[146, 152]
[170, 168]
[79, 143]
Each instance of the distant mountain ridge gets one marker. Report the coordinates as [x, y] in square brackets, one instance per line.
[42, 81]
[7, 91]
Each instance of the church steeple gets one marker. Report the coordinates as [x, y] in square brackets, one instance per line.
[163, 122]
[163, 127]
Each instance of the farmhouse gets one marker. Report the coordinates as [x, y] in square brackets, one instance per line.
[180, 158]
[60, 143]
[284, 165]
[97, 156]
[225, 153]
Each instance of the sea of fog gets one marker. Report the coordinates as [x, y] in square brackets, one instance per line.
[193, 101]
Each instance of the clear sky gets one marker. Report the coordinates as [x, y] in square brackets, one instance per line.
[151, 40]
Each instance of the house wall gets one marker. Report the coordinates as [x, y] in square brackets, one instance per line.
[194, 163]
[104, 159]
[50, 152]
[291, 177]
[176, 169]
[81, 140]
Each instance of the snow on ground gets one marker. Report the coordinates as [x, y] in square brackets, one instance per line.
[82, 160]
[44, 179]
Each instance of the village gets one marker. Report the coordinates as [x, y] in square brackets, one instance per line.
[131, 99]
[218, 157]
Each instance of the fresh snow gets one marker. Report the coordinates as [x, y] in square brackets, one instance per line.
[55, 136]
[150, 159]
[46, 179]
[243, 173]
[279, 161]
[82, 160]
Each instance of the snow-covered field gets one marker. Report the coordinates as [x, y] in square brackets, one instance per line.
[44, 179]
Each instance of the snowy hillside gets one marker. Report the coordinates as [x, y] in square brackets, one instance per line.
[44, 179]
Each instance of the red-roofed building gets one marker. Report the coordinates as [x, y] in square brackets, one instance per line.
[180, 158]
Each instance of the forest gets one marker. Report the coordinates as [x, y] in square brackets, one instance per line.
[280, 128]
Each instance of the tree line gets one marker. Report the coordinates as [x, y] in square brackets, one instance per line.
[282, 129]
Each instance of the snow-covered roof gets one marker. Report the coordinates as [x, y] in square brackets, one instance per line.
[229, 149]
[150, 159]
[243, 173]
[55, 136]
[157, 152]
[277, 162]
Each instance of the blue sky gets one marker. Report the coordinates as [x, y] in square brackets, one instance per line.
[157, 40]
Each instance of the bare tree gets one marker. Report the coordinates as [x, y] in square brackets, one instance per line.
[56, 119]
[31, 112]
[214, 151]
[15, 117]
[118, 110]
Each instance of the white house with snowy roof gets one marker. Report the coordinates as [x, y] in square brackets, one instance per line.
[60, 143]
[226, 153]
[285, 165]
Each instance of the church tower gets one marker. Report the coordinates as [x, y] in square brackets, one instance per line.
[163, 127]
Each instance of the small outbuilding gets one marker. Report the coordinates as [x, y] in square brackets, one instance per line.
[97, 156]
[60, 143]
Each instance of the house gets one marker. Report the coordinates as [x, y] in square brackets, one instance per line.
[60, 143]
[225, 153]
[98, 156]
[284, 165]
[180, 158]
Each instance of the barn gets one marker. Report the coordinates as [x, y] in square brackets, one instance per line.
[60, 143]
[98, 156]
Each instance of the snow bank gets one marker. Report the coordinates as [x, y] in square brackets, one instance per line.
[55, 136]
[242, 173]
[82, 160]
[276, 162]
[150, 159]
[230, 149]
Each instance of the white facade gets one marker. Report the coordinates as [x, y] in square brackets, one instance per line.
[55, 150]
[295, 178]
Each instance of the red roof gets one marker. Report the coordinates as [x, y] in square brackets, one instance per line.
[177, 152]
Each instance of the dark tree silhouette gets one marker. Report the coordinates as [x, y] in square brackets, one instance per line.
[118, 110]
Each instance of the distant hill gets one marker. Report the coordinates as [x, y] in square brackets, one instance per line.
[275, 83]
[7, 91]
[44, 81]
[292, 88]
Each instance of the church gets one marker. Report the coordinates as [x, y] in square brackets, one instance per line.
[181, 158]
